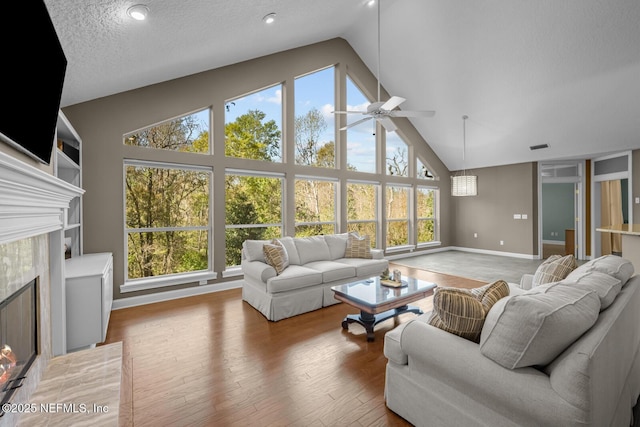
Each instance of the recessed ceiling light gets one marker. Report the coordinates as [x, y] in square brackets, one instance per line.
[370, 3]
[269, 18]
[138, 12]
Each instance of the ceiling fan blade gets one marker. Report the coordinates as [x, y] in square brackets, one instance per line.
[392, 103]
[388, 124]
[401, 113]
[349, 112]
[357, 122]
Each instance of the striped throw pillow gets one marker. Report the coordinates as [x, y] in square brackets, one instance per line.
[554, 269]
[276, 255]
[462, 311]
[358, 247]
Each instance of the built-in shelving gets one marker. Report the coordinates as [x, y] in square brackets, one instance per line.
[68, 167]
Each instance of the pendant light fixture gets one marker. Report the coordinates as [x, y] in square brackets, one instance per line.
[464, 185]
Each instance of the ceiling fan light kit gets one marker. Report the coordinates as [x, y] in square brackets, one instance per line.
[464, 185]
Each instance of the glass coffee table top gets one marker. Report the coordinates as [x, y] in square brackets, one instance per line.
[378, 302]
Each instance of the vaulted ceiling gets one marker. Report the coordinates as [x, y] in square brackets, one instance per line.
[560, 72]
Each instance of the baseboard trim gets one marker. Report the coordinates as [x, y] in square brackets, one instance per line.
[173, 294]
[461, 249]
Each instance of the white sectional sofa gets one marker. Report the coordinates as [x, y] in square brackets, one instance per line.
[315, 264]
[436, 378]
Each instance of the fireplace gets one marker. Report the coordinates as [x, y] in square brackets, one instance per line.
[18, 338]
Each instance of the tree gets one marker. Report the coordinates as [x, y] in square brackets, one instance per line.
[309, 149]
[249, 138]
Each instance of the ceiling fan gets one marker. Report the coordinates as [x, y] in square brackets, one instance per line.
[383, 111]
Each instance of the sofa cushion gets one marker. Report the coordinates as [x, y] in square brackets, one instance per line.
[253, 250]
[358, 247]
[337, 244]
[554, 269]
[294, 277]
[312, 248]
[332, 271]
[462, 311]
[607, 287]
[276, 255]
[292, 251]
[613, 265]
[533, 328]
[366, 267]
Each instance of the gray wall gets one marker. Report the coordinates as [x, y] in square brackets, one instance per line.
[102, 123]
[502, 192]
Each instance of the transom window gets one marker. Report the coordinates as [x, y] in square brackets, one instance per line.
[189, 133]
[253, 125]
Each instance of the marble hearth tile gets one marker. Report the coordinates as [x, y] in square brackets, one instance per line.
[81, 388]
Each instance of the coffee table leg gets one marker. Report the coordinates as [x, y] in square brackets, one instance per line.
[369, 320]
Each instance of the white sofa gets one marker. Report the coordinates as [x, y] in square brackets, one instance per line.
[315, 265]
[436, 378]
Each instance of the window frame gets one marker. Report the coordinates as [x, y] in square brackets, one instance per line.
[201, 276]
[335, 182]
[434, 218]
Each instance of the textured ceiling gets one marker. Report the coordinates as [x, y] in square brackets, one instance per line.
[559, 72]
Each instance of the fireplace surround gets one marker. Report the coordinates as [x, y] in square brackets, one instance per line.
[33, 208]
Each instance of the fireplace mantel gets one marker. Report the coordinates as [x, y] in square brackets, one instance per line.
[32, 202]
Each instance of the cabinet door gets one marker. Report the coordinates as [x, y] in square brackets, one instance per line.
[84, 309]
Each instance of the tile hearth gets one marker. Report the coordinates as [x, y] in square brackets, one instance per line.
[79, 389]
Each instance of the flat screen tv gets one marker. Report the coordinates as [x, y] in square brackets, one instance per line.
[32, 77]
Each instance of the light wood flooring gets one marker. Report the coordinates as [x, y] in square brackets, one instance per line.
[213, 360]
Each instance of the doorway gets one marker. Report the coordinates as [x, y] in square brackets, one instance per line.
[561, 208]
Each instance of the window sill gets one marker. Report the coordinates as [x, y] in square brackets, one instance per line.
[402, 248]
[162, 282]
[428, 244]
[232, 272]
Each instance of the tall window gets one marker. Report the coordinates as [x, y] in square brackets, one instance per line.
[362, 209]
[253, 210]
[397, 215]
[361, 139]
[397, 156]
[253, 125]
[167, 219]
[314, 123]
[189, 133]
[315, 207]
[426, 214]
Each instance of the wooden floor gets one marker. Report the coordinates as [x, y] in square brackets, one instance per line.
[213, 360]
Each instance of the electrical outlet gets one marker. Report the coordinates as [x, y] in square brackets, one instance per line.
[637, 200]
[501, 242]
[525, 216]
[517, 216]
[475, 235]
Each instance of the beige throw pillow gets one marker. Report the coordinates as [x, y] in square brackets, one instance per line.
[358, 247]
[462, 311]
[554, 269]
[276, 255]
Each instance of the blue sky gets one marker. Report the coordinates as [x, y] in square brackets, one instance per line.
[316, 90]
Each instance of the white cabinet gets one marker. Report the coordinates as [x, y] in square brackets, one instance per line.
[67, 167]
[89, 295]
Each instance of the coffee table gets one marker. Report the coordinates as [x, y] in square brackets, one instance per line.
[378, 302]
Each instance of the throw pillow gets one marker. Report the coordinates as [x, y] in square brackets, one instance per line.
[532, 329]
[276, 255]
[489, 294]
[457, 311]
[462, 311]
[358, 247]
[554, 269]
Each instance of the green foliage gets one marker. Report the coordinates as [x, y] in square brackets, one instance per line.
[249, 138]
